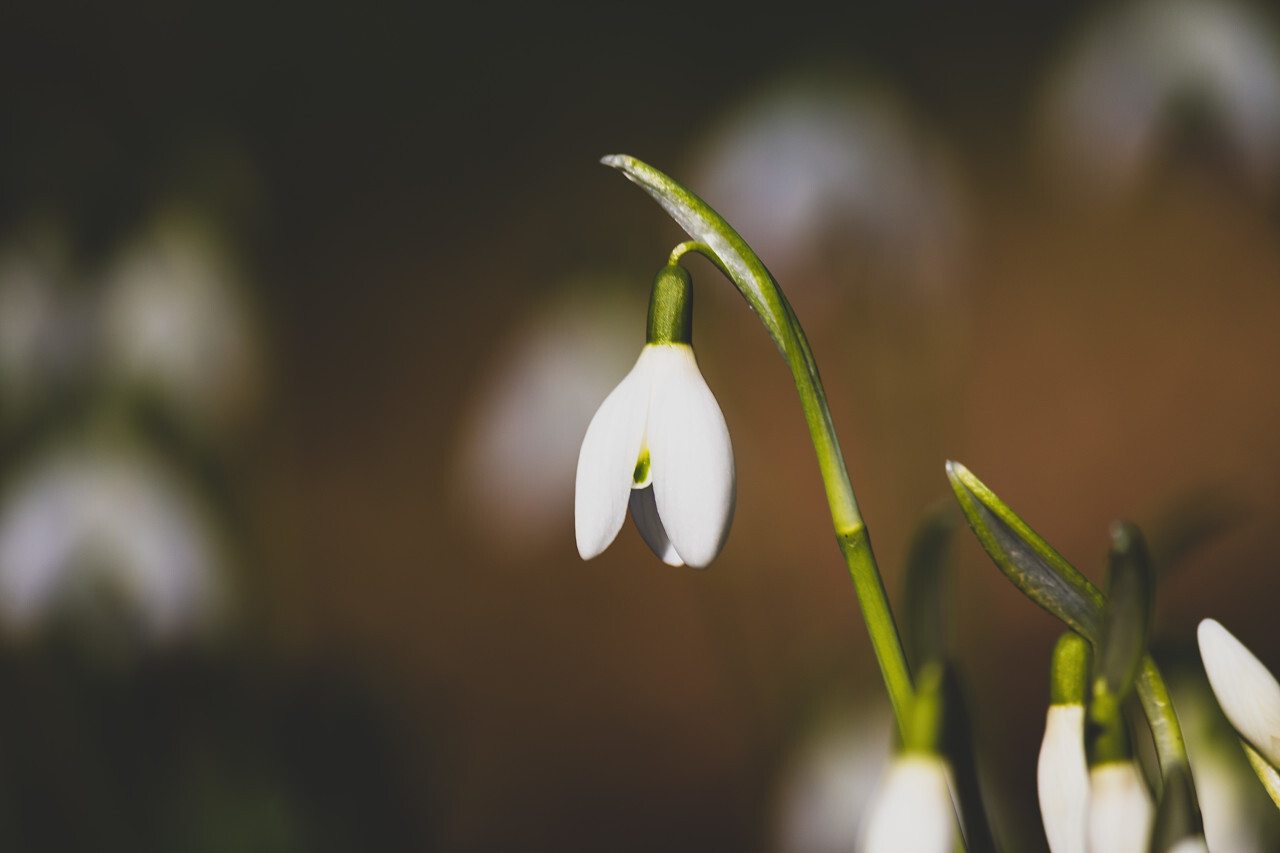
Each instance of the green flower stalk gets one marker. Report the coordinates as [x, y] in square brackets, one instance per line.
[714, 238]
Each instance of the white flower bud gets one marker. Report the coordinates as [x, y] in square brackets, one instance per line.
[1244, 687]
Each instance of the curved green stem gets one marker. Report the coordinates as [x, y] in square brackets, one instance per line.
[716, 239]
[1171, 749]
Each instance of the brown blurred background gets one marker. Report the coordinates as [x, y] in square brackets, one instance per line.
[1040, 239]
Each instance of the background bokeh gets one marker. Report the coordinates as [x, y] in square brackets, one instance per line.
[304, 309]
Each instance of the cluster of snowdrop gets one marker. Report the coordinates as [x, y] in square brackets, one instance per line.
[101, 525]
[659, 447]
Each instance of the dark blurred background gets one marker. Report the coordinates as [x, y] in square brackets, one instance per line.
[304, 309]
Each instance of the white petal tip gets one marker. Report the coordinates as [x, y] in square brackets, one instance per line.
[1245, 689]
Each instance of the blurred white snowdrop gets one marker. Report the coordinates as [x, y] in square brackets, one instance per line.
[40, 336]
[85, 530]
[830, 780]
[913, 812]
[1238, 815]
[1120, 809]
[826, 179]
[176, 322]
[1145, 69]
[520, 435]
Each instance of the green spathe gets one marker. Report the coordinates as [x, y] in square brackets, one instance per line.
[1069, 672]
[671, 307]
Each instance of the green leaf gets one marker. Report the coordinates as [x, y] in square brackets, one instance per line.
[925, 588]
[727, 248]
[1177, 817]
[1268, 775]
[958, 747]
[1127, 624]
[1026, 559]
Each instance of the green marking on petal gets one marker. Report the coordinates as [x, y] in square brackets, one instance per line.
[640, 479]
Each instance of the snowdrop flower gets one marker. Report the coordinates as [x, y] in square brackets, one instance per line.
[176, 320]
[1245, 688]
[1109, 107]
[659, 444]
[1062, 774]
[1238, 815]
[94, 526]
[821, 173]
[520, 436]
[42, 330]
[831, 779]
[1120, 809]
[913, 813]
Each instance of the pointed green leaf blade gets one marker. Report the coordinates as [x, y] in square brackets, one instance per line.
[1130, 599]
[1268, 775]
[924, 588]
[1034, 567]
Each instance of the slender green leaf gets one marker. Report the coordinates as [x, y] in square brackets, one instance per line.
[1177, 817]
[925, 585]
[701, 222]
[958, 746]
[1026, 559]
[1268, 775]
[1127, 624]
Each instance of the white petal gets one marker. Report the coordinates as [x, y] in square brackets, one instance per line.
[1063, 779]
[645, 512]
[1246, 689]
[1195, 844]
[1120, 810]
[692, 459]
[608, 458]
[913, 811]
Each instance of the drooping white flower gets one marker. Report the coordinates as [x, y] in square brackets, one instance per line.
[520, 434]
[176, 319]
[658, 444]
[1142, 69]
[1245, 688]
[913, 812]
[831, 778]
[1062, 777]
[98, 526]
[1120, 809]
